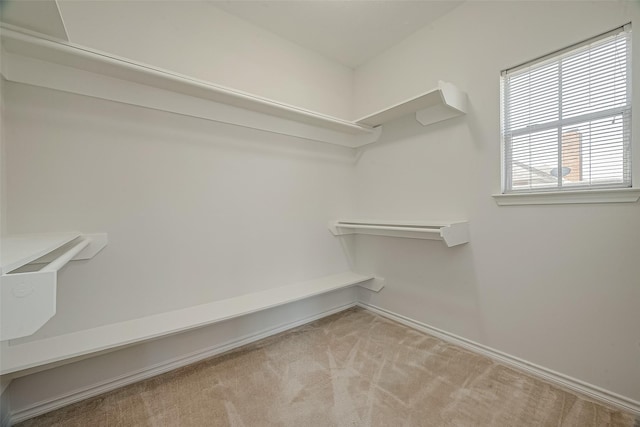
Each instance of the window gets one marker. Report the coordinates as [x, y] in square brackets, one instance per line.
[566, 118]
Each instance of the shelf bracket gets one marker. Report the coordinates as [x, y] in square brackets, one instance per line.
[376, 284]
[28, 293]
[454, 104]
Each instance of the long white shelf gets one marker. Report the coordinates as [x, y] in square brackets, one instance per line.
[452, 233]
[28, 282]
[18, 357]
[76, 69]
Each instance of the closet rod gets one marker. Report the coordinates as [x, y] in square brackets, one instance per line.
[422, 229]
[63, 259]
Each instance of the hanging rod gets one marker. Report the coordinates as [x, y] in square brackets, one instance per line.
[63, 259]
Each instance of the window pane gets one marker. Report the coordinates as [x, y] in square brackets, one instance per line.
[594, 152]
[533, 97]
[534, 157]
[567, 119]
[595, 79]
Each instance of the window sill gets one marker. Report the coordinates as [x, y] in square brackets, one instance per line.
[612, 195]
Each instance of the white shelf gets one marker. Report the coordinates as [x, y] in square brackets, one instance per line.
[452, 233]
[19, 357]
[22, 249]
[28, 282]
[76, 69]
[442, 103]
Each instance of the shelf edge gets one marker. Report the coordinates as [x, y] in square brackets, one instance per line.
[42, 250]
[452, 232]
[110, 66]
[19, 357]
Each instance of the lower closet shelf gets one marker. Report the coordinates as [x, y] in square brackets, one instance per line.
[18, 357]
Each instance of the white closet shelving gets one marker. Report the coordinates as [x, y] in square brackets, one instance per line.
[28, 292]
[442, 103]
[452, 233]
[28, 280]
[18, 357]
[80, 70]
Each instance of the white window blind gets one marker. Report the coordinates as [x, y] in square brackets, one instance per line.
[566, 118]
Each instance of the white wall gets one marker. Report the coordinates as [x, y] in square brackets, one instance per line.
[195, 211]
[199, 40]
[558, 286]
[198, 211]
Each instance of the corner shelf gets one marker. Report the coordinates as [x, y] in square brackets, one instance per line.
[18, 357]
[76, 69]
[28, 279]
[444, 102]
[452, 233]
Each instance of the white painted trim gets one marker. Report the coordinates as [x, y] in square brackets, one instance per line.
[160, 368]
[175, 363]
[541, 372]
[611, 195]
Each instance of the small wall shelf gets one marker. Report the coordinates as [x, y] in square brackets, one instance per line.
[18, 357]
[28, 280]
[452, 233]
[76, 69]
[442, 103]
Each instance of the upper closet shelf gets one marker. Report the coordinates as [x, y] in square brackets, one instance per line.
[442, 103]
[452, 233]
[80, 70]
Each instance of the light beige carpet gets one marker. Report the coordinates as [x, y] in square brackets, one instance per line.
[351, 369]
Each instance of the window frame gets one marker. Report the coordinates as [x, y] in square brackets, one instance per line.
[593, 193]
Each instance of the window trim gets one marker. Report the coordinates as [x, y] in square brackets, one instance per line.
[598, 195]
[553, 196]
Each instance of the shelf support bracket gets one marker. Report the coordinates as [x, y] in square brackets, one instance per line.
[376, 284]
[28, 298]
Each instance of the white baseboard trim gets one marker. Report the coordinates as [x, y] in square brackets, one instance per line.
[557, 378]
[562, 380]
[160, 368]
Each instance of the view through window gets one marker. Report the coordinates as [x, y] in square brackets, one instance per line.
[566, 118]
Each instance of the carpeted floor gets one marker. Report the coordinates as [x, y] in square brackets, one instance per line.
[350, 369]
